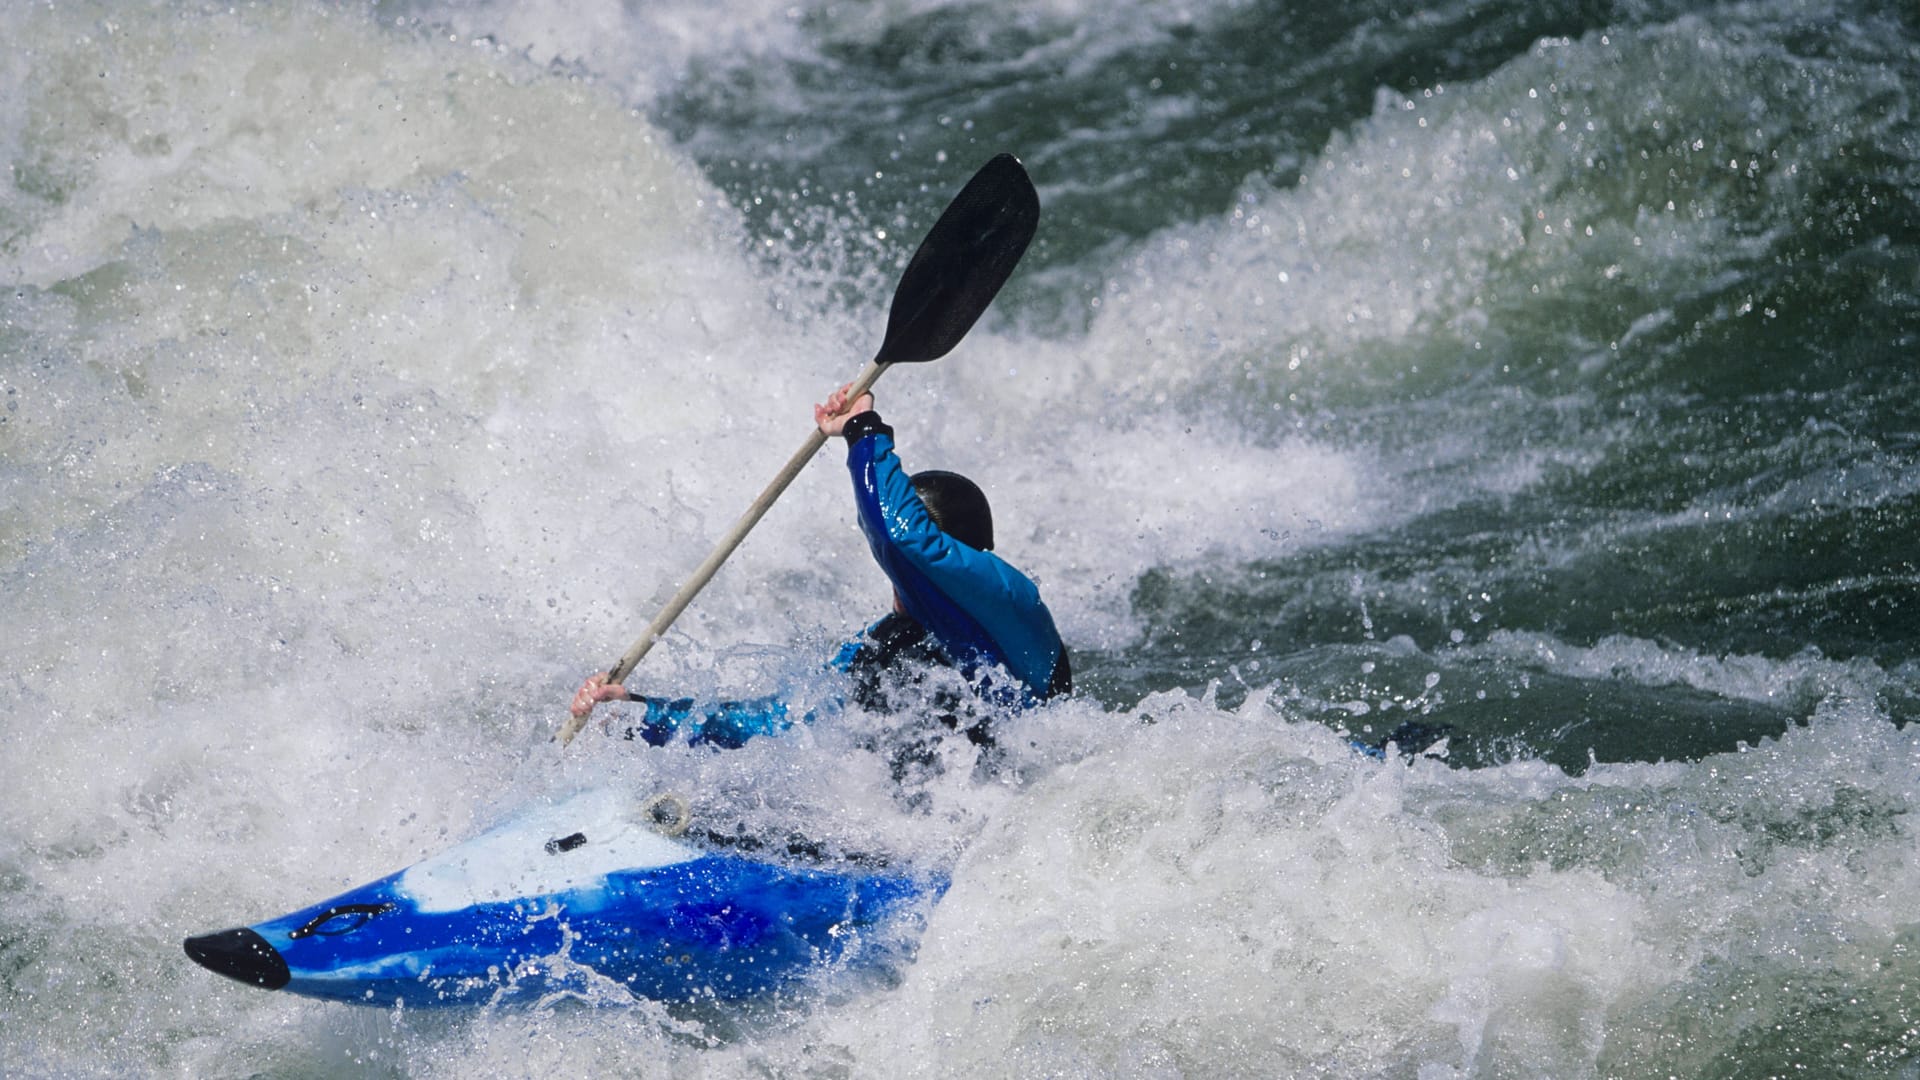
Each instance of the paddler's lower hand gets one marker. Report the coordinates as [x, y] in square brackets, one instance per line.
[832, 416]
[594, 691]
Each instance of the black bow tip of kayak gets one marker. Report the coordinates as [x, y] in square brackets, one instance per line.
[241, 955]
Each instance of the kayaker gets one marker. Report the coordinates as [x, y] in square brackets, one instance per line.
[956, 604]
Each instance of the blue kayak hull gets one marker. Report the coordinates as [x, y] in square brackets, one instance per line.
[586, 899]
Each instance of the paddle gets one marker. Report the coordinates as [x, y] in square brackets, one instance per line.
[967, 255]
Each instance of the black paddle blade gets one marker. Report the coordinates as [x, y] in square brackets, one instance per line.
[967, 255]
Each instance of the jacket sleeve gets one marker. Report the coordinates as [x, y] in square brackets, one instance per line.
[979, 608]
[724, 724]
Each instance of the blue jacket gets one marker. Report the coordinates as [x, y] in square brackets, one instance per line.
[976, 607]
[964, 607]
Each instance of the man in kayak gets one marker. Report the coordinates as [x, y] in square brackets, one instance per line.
[956, 605]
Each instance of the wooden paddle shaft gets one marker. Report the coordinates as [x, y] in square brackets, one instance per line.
[705, 571]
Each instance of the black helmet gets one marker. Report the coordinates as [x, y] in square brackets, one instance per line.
[958, 506]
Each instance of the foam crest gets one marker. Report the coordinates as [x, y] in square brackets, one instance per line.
[1452, 228]
[1233, 892]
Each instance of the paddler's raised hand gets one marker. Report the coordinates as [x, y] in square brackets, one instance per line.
[831, 418]
[594, 691]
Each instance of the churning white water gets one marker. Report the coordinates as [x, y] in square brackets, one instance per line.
[369, 379]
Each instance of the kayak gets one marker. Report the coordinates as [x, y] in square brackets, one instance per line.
[602, 893]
